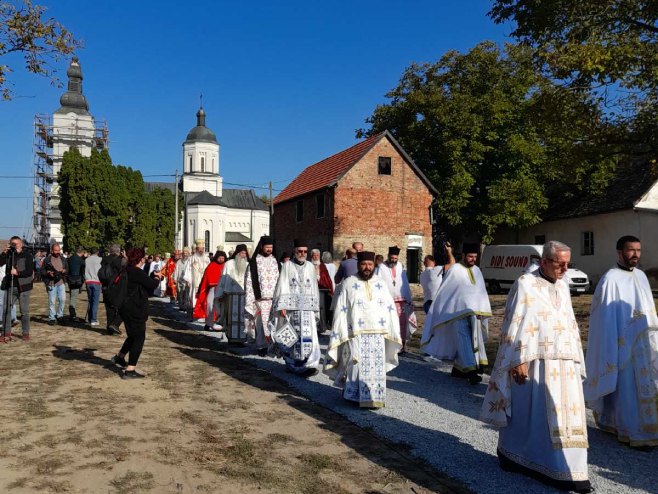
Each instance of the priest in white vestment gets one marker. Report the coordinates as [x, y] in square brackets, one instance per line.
[365, 336]
[296, 299]
[535, 393]
[230, 295]
[182, 282]
[622, 351]
[262, 276]
[394, 276]
[456, 327]
[197, 266]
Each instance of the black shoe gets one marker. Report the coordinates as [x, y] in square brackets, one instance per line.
[309, 372]
[60, 321]
[119, 361]
[207, 328]
[131, 375]
[473, 378]
[458, 374]
[52, 322]
[262, 352]
[111, 330]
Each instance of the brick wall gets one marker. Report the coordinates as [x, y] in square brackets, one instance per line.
[380, 210]
[316, 231]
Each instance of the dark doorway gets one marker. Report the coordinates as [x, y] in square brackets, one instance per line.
[413, 265]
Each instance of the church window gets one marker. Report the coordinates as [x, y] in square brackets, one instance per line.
[206, 237]
[384, 165]
[213, 164]
[203, 164]
[587, 244]
[319, 205]
[299, 210]
[190, 162]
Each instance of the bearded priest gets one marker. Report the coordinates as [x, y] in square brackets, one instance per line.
[365, 338]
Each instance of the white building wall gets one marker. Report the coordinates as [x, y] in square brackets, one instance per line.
[607, 228]
[203, 172]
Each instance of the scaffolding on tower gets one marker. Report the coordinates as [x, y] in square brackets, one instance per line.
[45, 191]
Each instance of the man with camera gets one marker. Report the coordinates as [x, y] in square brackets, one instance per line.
[19, 268]
[53, 273]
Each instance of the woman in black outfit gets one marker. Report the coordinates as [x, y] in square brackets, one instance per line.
[134, 312]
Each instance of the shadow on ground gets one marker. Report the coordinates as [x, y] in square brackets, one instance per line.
[389, 455]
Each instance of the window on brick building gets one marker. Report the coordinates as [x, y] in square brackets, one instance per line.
[319, 206]
[384, 165]
[299, 211]
[587, 244]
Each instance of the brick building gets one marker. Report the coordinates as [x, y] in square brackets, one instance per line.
[371, 192]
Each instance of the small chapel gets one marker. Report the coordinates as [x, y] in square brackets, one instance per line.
[221, 217]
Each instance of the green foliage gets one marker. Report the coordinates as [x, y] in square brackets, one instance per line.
[589, 42]
[25, 31]
[606, 48]
[103, 204]
[495, 137]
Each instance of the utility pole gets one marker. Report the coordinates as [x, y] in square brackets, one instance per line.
[271, 210]
[176, 222]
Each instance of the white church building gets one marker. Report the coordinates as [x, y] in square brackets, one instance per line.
[222, 217]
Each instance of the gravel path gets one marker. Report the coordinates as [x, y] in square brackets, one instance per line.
[436, 416]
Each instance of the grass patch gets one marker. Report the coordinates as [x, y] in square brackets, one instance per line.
[133, 482]
[34, 407]
[277, 438]
[317, 462]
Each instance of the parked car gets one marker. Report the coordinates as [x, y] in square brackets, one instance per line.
[501, 265]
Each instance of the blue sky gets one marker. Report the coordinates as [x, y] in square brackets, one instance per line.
[284, 83]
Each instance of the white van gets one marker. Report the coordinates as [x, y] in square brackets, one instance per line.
[501, 265]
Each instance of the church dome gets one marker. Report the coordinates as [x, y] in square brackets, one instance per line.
[73, 100]
[201, 132]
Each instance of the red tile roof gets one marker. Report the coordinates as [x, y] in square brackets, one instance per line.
[327, 172]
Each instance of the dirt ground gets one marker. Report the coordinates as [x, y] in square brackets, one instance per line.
[202, 421]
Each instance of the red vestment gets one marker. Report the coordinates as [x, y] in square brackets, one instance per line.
[168, 271]
[325, 280]
[209, 280]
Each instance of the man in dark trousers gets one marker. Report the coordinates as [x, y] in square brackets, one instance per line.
[19, 267]
[75, 280]
[115, 260]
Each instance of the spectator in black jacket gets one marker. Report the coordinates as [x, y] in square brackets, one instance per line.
[53, 273]
[113, 317]
[19, 273]
[76, 280]
[134, 312]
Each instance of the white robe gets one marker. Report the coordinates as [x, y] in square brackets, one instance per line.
[231, 289]
[182, 277]
[543, 421]
[456, 327]
[622, 357]
[195, 269]
[398, 287]
[258, 311]
[297, 293]
[365, 341]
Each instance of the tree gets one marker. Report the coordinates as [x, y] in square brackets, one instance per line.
[103, 204]
[589, 42]
[25, 30]
[494, 136]
[608, 48]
